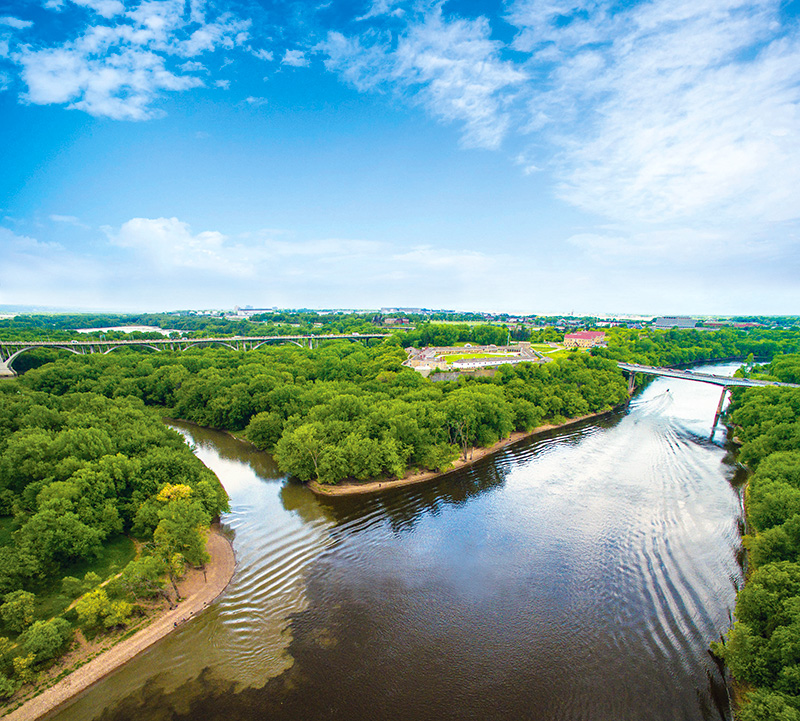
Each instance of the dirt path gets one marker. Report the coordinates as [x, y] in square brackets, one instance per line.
[197, 593]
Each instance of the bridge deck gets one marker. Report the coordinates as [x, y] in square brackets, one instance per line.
[173, 341]
[689, 375]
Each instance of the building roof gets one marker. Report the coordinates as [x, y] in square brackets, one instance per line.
[586, 334]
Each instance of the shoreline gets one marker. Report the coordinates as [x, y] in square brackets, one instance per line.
[475, 455]
[197, 595]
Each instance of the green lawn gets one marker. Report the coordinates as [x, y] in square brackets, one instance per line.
[476, 356]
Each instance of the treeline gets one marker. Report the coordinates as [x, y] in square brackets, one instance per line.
[679, 347]
[762, 649]
[79, 472]
[344, 410]
[441, 334]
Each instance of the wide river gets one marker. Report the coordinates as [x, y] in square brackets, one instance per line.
[581, 575]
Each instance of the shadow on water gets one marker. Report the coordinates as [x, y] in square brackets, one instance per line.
[403, 506]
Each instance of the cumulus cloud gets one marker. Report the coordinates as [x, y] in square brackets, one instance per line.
[363, 272]
[119, 69]
[169, 243]
[295, 59]
[262, 54]
[106, 8]
[15, 23]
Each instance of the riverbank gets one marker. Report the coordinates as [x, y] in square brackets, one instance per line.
[474, 455]
[198, 590]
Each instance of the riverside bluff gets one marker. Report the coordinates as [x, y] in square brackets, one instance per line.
[475, 454]
[198, 591]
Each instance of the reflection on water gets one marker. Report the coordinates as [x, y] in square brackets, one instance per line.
[580, 575]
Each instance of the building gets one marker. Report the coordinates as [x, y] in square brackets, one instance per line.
[584, 339]
[666, 322]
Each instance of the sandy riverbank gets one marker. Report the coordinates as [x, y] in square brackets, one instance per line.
[473, 456]
[197, 592]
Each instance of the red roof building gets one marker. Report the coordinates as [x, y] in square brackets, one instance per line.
[584, 339]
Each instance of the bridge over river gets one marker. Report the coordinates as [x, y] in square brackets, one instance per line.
[725, 381]
[11, 350]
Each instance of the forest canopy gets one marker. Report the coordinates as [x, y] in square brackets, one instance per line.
[762, 649]
[344, 410]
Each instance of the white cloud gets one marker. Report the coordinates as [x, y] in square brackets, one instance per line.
[295, 59]
[261, 54]
[463, 262]
[192, 66]
[224, 84]
[168, 243]
[68, 220]
[451, 66]
[106, 8]
[256, 101]
[42, 273]
[379, 8]
[119, 70]
[15, 23]
[669, 111]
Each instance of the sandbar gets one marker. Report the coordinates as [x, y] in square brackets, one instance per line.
[197, 593]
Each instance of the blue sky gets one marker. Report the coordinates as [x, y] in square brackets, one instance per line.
[525, 156]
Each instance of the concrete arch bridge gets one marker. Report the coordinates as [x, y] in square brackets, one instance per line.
[11, 350]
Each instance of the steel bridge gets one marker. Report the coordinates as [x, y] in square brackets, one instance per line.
[11, 350]
[726, 382]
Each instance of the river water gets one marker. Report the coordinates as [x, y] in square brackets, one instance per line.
[580, 575]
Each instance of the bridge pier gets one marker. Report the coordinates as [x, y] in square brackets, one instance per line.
[6, 371]
[719, 408]
[631, 383]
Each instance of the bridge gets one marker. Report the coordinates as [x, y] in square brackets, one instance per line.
[714, 379]
[11, 350]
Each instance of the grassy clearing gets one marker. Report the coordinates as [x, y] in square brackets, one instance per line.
[50, 600]
[558, 352]
[476, 356]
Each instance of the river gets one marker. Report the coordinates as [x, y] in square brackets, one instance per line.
[579, 575]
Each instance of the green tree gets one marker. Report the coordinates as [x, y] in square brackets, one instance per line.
[143, 576]
[46, 639]
[18, 609]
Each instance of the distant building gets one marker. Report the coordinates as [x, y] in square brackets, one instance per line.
[248, 310]
[730, 324]
[584, 339]
[665, 322]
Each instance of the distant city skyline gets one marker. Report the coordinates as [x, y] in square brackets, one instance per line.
[529, 156]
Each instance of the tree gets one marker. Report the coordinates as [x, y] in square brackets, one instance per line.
[7, 687]
[142, 576]
[18, 609]
[46, 639]
[93, 607]
[298, 452]
[181, 529]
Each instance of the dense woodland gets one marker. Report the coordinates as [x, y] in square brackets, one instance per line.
[344, 410]
[763, 648]
[680, 347]
[79, 474]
